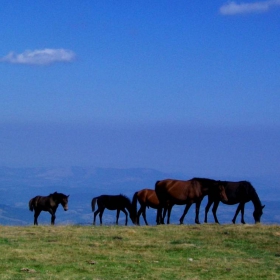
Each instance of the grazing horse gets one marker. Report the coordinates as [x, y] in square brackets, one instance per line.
[113, 202]
[146, 198]
[171, 192]
[48, 203]
[237, 192]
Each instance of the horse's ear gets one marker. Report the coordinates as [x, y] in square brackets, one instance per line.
[68, 195]
[263, 206]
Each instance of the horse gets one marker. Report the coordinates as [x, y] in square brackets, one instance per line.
[238, 192]
[146, 198]
[48, 203]
[113, 202]
[171, 192]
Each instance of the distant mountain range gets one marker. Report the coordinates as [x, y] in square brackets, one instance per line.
[18, 185]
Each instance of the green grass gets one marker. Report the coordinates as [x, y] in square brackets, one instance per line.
[157, 252]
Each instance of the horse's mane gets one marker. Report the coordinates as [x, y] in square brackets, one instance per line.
[204, 180]
[252, 193]
[249, 188]
[57, 194]
[126, 197]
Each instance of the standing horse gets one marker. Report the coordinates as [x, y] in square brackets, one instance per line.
[237, 192]
[171, 192]
[146, 198]
[113, 202]
[48, 203]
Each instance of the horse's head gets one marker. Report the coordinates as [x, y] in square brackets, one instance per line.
[258, 213]
[64, 202]
[133, 217]
[132, 211]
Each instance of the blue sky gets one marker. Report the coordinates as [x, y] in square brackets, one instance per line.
[173, 85]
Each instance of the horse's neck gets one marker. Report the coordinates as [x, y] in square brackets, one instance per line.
[255, 199]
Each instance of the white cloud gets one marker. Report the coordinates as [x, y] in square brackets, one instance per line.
[39, 57]
[232, 8]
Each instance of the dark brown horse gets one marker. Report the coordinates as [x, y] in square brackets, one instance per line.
[171, 192]
[146, 198]
[48, 203]
[237, 192]
[113, 202]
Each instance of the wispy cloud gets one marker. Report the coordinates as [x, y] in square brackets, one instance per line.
[39, 57]
[232, 8]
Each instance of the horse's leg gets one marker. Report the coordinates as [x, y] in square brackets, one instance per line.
[207, 209]
[36, 215]
[214, 211]
[117, 218]
[125, 212]
[237, 211]
[168, 214]
[138, 215]
[94, 215]
[101, 214]
[159, 216]
[185, 212]
[52, 212]
[164, 213]
[242, 213]
[197, 207]
[144, 215]
[53, 219]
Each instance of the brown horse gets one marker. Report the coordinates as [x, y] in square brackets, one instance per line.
[146, 198]
[48, 203]
[171, 192]
[113, 202]
[237, 192]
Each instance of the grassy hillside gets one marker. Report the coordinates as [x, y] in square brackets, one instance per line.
[157, 252]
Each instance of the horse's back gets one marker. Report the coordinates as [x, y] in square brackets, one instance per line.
[240, 191]
[148, 197]
[177, 191]
[112, 202]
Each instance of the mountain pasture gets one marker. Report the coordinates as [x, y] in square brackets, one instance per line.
[207, 251]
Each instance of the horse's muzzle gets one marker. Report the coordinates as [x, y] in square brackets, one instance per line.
[65, 209]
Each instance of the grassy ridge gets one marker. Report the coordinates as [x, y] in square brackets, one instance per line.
[158, 252]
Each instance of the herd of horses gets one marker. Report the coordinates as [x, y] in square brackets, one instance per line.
[163, 197]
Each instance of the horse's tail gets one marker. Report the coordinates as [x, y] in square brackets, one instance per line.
[93, 202]
[31, 206]
[134, 202]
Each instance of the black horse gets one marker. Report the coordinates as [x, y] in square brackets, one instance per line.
[237, 192]
[48, 203]
[113, 202]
